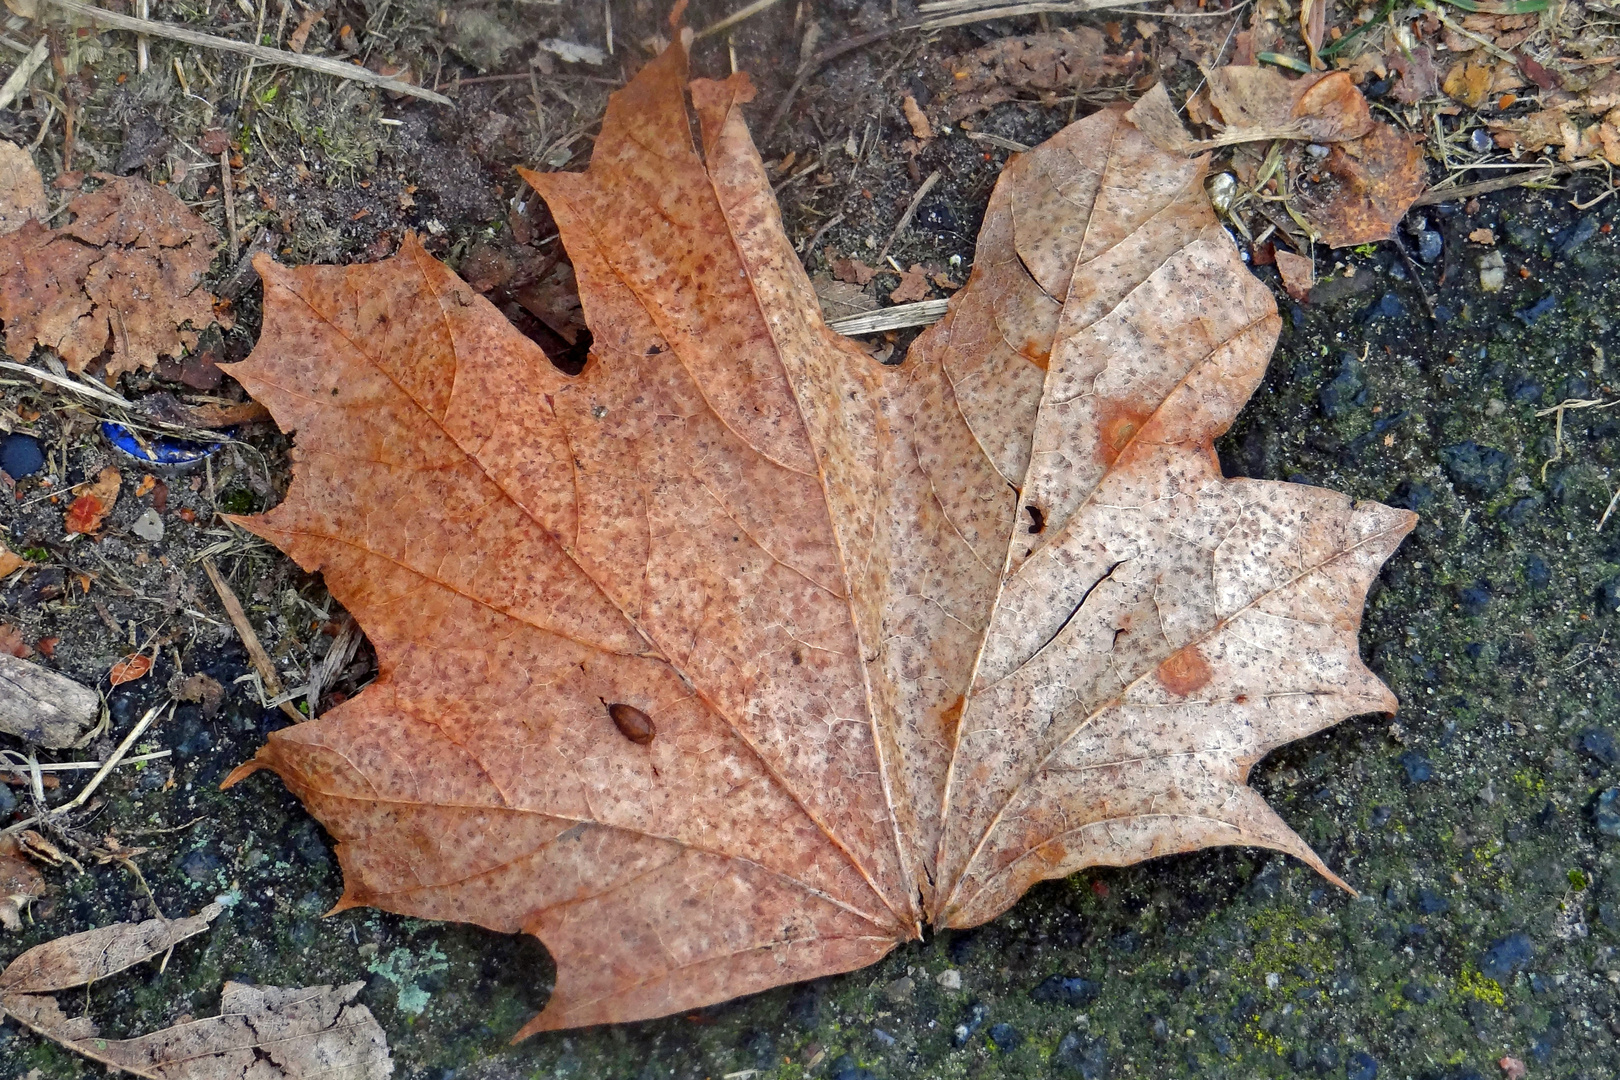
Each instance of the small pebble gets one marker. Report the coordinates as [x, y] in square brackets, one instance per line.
[1479, 140]
[149, 526]
[1506, 956]
[1418, 768]
[1005, 1036]
[950, 979]
[1606, 812]
[1429, 245]
[20, 455]
[1599, 743]
[1492, 272]
[1480, 471]
[1363, 1066]
[1317, 151]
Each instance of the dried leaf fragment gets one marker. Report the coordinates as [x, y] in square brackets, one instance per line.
[10, 561]
[94, 502]
[1371, 183]
[22, 189]
[262, 1032]
[914, 638]
[918, 119]
[20, 884]
[1260, 103]
[1298, 274]
[1062, 61]
[124, 275]
[132, 667]
[85, 957]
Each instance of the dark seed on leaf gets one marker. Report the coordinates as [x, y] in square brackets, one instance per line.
[632, 723]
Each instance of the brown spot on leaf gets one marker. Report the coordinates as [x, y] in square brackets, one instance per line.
[1118, 425]
[1185, 671]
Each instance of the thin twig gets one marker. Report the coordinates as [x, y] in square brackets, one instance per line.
[911, 211]
[810, 248]
[745, 12]
[80, 766]
[117, 755]
[250, 638]
[1502, 183]
[227, 184]
[322, 64]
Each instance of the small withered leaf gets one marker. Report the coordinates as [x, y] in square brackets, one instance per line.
[632, 723]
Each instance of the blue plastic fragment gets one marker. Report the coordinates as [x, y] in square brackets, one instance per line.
[157, 449]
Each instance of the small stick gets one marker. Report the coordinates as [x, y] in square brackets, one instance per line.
[117, 755]
[258, 39]
[322, 64]
[899, 317]
[250, 639]
[79, 766]
[1502, 183]
[18, 80]
[810, 248]
[911, 210]
[746, 12]
[143, 60]
[228, 185]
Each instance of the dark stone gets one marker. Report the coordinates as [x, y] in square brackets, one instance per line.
[1418, 768]
[1064, 990]
[1609, 915]
[1567, 240]
[1599, 743]
[1430, 245]
[1476, 470]
[1006, 1037]
[1474, 599]
[1388, 306]
[1537, 310]
[1412, 495]
[1338, 395]
[20, 455]
[1537, 572]
[977, 1014]
[195, 739]
[1363, 1066]
[1507, 956]
[8, 801]
[199, 864]
[1380, 816]
[1081, 1055]
[1608, 596]
[1524, 390]
[1606, 812]
[1432, 903]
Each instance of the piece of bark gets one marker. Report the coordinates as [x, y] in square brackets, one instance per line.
[43, 707]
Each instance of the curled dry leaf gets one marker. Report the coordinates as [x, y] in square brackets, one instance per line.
[124, 275]
[261, 1032]
[911, 638]
[1369, 185]
[94, 502]
[43, 707]
[1060, 62]
[83, 958]
[10, 561]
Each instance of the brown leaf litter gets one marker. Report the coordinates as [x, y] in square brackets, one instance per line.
[123, 278]
[1048, 65]
[262, 1032]
[907, 640]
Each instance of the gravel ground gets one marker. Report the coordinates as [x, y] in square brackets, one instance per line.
[1473, 824]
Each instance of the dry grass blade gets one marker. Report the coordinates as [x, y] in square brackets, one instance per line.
[250, 639]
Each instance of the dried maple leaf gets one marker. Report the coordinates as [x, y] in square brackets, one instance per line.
[122, 277]
[732, 659]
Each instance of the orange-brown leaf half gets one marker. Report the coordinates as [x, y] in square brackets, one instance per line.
[894, 643]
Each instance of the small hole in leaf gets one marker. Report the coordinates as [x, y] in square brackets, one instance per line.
[1037, 520]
